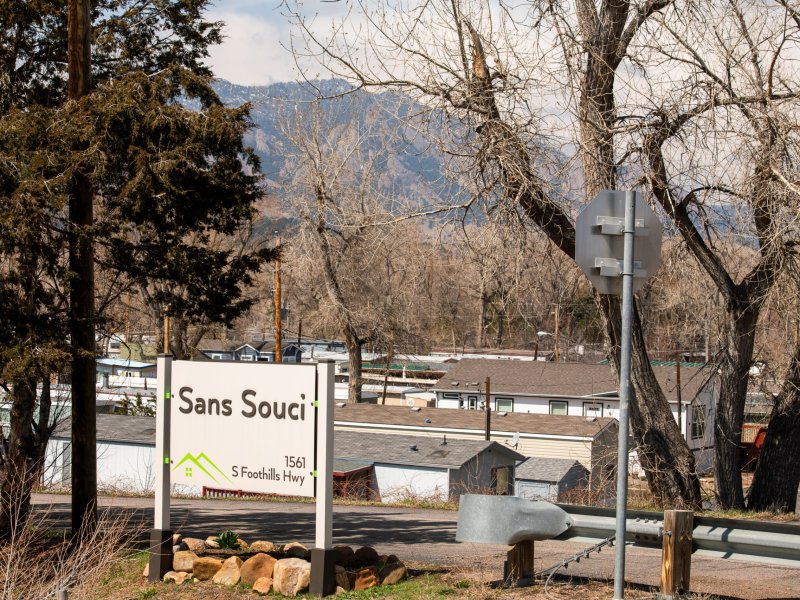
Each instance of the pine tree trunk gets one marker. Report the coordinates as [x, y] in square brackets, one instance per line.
[20, 466]
[81, 293]
[777, 474]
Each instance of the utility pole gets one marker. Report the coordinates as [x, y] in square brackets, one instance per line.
[488, 433]
[166, 329]
[81, 290]
[278, 349]
[678, 391]
[555, 336]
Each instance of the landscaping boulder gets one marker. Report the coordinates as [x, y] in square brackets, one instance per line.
[393, 573]
[366, 578]
[194, 545]
[146, 572]
[176, 577]
[344, 555]
[230, 573]
[256, 567]
[297, 550]
[262, 546]
[366, 555]
[205, 568]
[291, 576]
[262, 585]
[342, 580]
[211, 542]
[176, 539]
[183, 561]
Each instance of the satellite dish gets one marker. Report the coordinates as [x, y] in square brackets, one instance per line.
[515, 439]
[410, 402]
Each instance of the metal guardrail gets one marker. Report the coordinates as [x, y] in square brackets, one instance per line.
[738, 539]
[508, 520]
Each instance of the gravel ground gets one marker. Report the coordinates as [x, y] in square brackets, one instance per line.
[428, 536]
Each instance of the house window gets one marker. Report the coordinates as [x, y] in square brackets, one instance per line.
[216, 357]
[504, 404]
[698, 421]
[558, 407]
[247, 357]
[471, 403]
[592, 409]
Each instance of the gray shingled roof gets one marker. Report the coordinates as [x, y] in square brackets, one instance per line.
[116, 428]
[532, 378]
[396, 449]
[351, 449]
[450, 418]
[546, 469]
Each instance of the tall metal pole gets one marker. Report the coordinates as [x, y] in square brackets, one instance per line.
[624, 394]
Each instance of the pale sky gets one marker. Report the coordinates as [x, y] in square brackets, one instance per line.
[257, 35]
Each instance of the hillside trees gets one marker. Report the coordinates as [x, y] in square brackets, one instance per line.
[478, 68]
[165, 177]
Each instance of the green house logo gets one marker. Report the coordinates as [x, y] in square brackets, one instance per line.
[203, 463]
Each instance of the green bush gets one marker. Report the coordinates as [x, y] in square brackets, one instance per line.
[229, 540]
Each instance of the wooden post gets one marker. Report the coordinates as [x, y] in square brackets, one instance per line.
[488, 432]
[676, 553]
[520, 561]
[278, 324]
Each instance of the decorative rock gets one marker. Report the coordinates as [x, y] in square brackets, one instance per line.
[146, 572]
[256, 567]
[262, 585]
[177, 548]
[177, 578]
[183, 561]
[230, 573]
[265, 547]
[344, 555]
[366, 578]
[291, 576]
[340, 590]
[393, 573]
[297, 550]
[366, 555]
[211, 542]
[206, 567]
[195, 545]
[342, 580]
[176, 539]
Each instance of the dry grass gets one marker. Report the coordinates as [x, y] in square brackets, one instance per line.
[36, 562]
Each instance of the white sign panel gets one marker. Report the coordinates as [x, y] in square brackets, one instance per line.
[243, 426]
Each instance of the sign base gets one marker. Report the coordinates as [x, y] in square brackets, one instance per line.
[323, 572]
[160, 554]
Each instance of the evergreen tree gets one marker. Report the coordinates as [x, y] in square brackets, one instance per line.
[168, 171]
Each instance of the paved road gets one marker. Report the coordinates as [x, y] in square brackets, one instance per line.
[428, 536]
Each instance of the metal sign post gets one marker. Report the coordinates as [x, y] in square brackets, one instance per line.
[604, 257]
[624, 396]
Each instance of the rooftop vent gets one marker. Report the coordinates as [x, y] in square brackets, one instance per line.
[453, 383]
[416, 409]
[427, 420]
[444, 441]
[341, 404]
[413, 448]
[501, 414]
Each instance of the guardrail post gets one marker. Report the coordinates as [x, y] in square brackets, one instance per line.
[519, 563]
[676, 553]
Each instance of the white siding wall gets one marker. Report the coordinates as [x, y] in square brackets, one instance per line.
[396, 482]
[120, 467]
